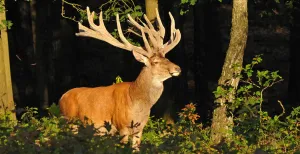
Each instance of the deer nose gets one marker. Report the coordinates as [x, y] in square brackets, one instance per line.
[178, 69]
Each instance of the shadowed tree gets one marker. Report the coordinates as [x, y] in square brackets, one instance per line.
[46, 45]
[39, 33]
[221, 123]
[207, 46]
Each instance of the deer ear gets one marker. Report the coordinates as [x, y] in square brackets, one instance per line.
[141, 58]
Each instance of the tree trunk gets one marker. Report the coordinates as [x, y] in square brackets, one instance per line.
[6, 96]
[21, 45]
[221, 124]
[40, 31]
[151, 5]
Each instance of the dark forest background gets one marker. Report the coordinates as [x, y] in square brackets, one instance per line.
[58, 61]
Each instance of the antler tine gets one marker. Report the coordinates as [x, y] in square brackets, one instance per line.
[97, 32]
[100, 32]
[161, 27]
[152, 39]
[122, 37]
[146, 41]
[145, 29]
[172, 26]
[151, 33]
[125, 41]
[175, 37]
[148, 22]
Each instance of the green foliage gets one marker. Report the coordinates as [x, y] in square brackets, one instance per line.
[57, 135]
[118, 80]
[254, 130]
[54, 135]
[54, 110]
[109, 9]
[4, 23]
[254, 83]
[122, 7]
[185, 5]
[185, 136]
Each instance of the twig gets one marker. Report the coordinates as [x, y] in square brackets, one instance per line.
[75, 6]
[283, 109]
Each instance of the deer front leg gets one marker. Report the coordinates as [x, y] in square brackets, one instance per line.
[136, 140]
[124, 133]
[113, 130]
[101, 130]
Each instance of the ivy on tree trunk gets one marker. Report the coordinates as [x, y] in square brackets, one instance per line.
[221, 123]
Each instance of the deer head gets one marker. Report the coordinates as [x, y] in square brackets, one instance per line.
[154, 51]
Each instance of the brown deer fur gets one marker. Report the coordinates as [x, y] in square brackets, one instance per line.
[123, 104]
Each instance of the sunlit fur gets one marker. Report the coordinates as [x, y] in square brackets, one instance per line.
[122, 104]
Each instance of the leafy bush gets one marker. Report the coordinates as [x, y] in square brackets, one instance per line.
[254, 130]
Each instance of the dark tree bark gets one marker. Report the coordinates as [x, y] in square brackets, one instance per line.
[208, 55]
[221, 123]
[41, 32]
[21, 53]
[294, 76]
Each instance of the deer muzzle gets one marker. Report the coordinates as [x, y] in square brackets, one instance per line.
[175, 71]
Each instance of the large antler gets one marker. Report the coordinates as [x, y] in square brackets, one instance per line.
[156, 37]
[100, 32]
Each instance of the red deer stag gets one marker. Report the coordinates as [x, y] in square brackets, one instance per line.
[127, 103]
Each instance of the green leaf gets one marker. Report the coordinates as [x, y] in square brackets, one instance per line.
[54, 110]
[137, 8]
[257, 93]
[184, 1]
[248, 66]
[7, 23]
[119, 79]
[193, 2]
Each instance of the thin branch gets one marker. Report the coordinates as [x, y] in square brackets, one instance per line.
[257, 86]
[283, 109]
[75, 6]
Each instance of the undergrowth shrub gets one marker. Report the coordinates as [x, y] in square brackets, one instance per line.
[255, 130]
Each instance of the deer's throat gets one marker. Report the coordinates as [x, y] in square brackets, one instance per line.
[145, 90]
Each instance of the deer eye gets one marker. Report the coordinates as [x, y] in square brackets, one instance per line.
[155, 62]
